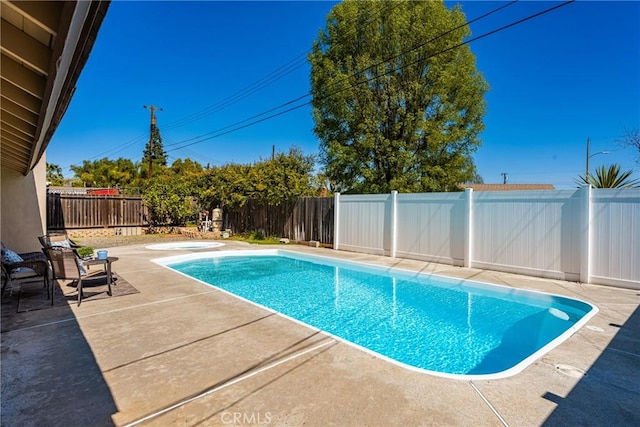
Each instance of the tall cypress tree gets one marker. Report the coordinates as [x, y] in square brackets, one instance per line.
[154, 152]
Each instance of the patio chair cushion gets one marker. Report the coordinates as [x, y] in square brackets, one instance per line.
[22, 273]
[61, 243]
[10, 256]
[83, 271]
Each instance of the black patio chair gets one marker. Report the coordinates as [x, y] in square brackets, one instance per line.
[24, 267]
[57, 239]
[67, 265]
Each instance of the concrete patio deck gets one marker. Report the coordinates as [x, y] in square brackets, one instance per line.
[182, 353]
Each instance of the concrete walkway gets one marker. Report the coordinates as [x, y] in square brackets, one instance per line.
[182, 353]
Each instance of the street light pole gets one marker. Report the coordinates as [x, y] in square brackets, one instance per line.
[586, 172]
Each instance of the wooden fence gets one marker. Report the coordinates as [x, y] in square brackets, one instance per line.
[69, 211]
[305, 219]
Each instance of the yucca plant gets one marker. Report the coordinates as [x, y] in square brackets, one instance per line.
[609, 178]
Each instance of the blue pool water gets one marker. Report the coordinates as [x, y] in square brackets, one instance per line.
[447, 326]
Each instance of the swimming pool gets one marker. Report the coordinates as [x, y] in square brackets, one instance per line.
[443, 326]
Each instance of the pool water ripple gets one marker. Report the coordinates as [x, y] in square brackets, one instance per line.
[447, 327]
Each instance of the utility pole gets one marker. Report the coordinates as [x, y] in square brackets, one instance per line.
[589, 155]
[152, 128]
[586, 171]
[505, 177]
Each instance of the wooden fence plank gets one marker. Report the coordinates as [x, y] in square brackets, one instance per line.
[83, 211]
[304, 219]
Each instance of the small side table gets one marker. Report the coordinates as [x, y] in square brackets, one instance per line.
[107, 266]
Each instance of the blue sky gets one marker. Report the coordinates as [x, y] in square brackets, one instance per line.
[554, 81]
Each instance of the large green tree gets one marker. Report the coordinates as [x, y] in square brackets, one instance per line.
[396, 107]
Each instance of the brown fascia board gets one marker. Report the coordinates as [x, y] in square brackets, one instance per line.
[92, 24]
[57, 48]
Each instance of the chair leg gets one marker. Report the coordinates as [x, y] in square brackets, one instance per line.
[5, 281]
[109, 278]
[79, 291]
[49, 292]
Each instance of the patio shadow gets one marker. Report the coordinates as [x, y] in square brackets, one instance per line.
[49, 373]
[609, 393]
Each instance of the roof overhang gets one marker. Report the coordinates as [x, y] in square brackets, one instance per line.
[44, 45]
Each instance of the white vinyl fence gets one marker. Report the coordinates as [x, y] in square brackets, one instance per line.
[587, 235]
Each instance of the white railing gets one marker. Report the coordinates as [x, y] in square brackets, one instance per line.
[587, 235]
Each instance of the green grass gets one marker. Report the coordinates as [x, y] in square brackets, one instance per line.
[256, 237]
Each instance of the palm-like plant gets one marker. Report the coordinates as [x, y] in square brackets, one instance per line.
[609, 178]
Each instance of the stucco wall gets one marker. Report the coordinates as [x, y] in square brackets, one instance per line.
[23, 207]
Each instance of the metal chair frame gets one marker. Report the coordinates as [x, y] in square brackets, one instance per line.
[65, 264]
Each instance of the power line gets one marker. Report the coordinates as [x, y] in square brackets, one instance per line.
[244, 126]
[247, 119]
[125, 145]
[265, 81]
[295, 63]
[418, 46]
[504, 27]
[275, 75]
[218, 133]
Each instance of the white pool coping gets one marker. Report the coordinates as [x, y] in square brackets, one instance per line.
[516, 369]
[184, 246]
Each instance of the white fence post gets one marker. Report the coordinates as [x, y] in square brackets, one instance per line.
[585, 244]
[336, 220]
[394, 223]
[468, 228]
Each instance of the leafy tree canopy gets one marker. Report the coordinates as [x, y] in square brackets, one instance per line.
[186, 167]
[272, 181]
[169, 200]
[388, 116]
[176, 194]
[54, 174]
[285, 177]
[106, 173]
[226, 186]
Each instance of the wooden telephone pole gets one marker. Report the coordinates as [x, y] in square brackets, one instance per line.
[152, 128]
